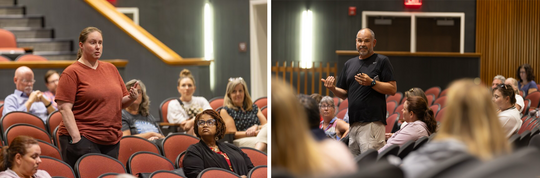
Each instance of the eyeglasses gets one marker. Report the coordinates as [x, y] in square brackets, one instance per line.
[326, 106]
[210, 122]
[53, 81]
[234, 79]
[28, 82]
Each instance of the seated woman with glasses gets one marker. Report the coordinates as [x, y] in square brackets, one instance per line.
[184, 109]
[241, 115]
[420, 119]
[509, 116]
[333, 127]
[136, 118]
[208, 153]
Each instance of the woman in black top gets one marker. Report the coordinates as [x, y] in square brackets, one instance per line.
[210, 127]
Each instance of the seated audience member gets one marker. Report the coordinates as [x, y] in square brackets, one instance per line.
[509, 116]
[411, 92]
[497, 80]
[333, 127]
[21, 159]
[24, 98]
[526, 78]
[312, 111]
[420, 119]
[317, 97]
[469, 125]
[51, 80]
[262, 138]
[184, 109]
[136, 118]
[520, 104]
[294, 148]
[242, 116]
[210, 127]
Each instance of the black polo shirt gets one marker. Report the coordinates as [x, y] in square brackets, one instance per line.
[366, 104]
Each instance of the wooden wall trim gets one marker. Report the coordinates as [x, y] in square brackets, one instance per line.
[119, 63]
[419, 54]
[142, 36]
[507, 35]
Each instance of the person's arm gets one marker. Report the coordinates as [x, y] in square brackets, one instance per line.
[69, 120]
[193, 163]
[46, 102]
[343, 127]
[407, 134]
[146, 135]
[11, 104]
[31, 99]
[133, 95]
[329, 83]
[532, 90]
[387, 88]
[229, 121]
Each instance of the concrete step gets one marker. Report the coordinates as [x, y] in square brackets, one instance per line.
[35, 21]
[57, 56]
[46, 44]
[12, 10]
[7, 2]
[28, 32]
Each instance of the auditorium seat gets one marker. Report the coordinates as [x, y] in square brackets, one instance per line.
[261, 102]
[391, 106]
[535, 99]
[441, 101]
[344, 105]
[390, 122]
[341, 114]
[257, 157]
[406, 148]
[397, 97]
[179, 163]
[163, 109]
[48, 149]
[28, 130]
[165, 174]
[436, 91]
[366, 158]
[216, 102]
[56, 167]
[92, 165]
[391, 150]
[148, 162]
[8, 42]
[53, 121]
[4, 59]
[435, 108]
[526, 106]
[443, 93]
[131, 144]
[217, 172]
[430, 98]
[177, 143]
[30, 57]
[258, 172]
[19, 117]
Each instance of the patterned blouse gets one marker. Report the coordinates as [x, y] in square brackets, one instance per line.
[244, 119]
[225, 156]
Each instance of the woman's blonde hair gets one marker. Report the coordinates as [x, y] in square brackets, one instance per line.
[227, 101]
[144, 107]
[471, 117]
[84, 35]
[185, 74]
[293, 146]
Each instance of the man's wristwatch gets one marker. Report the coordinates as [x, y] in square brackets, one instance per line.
[373, 83]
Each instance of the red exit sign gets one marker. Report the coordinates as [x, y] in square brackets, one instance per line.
[414, 3]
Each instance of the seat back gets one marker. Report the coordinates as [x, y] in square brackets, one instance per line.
[109, 175]
[56, 167]
[390, 121]
[264, 111]
[257, 157]
[366, 158]
[440, 115]
[53, 121]
[406, 148]
[430, 98]
[435, 108]
[8, 39]
[396, 97]
[48, 149]
[523, 162]
[420, 142]
[56, 138]
[28, 130]
[179, 163]
[435, 91]
[216, 102]
[165, 174]
[217, 172]
[336, 101]
[344, 105]
[341, 114]
[535, 99]
[148, 162]
[261, 102]
[535, 141]
[391, 150]
[2, 108]
[441, 101]
[31, 57]
[177, 143]
[258, 172]
[452, 167]
[443, 93]
[4, 59]
[92, 165]
[19, 117]
[133, 144]
[525, 122]
[163, 109]
[391, 107]
[526, 106]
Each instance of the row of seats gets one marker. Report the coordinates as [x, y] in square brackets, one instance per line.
[25, 57]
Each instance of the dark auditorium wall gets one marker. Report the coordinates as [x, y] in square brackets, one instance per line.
[177, 23]
[335, 30]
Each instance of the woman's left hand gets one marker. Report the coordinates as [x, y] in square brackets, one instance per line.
[133, 93]
[252, 130]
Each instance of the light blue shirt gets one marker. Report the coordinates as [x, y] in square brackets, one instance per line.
[15, 102]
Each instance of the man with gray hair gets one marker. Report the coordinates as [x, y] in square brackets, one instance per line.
[520, 104]
[497, 80]
[364, 81]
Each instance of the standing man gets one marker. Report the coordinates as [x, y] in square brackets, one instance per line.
[25, 98]
[365, 80]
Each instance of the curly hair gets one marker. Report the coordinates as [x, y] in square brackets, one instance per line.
[17, 146]
[528, 70]
[419, 107]
[220, 124]
[144, 107]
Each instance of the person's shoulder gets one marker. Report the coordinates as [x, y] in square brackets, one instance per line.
[533, 83]
[348, 62]
[106, 64]
[381, 57]
[42, 173]
[200, 98]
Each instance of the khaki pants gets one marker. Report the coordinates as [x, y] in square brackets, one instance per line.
[246, 142]
[366, 135]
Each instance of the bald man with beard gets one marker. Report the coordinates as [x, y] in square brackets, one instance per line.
[24, 98]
